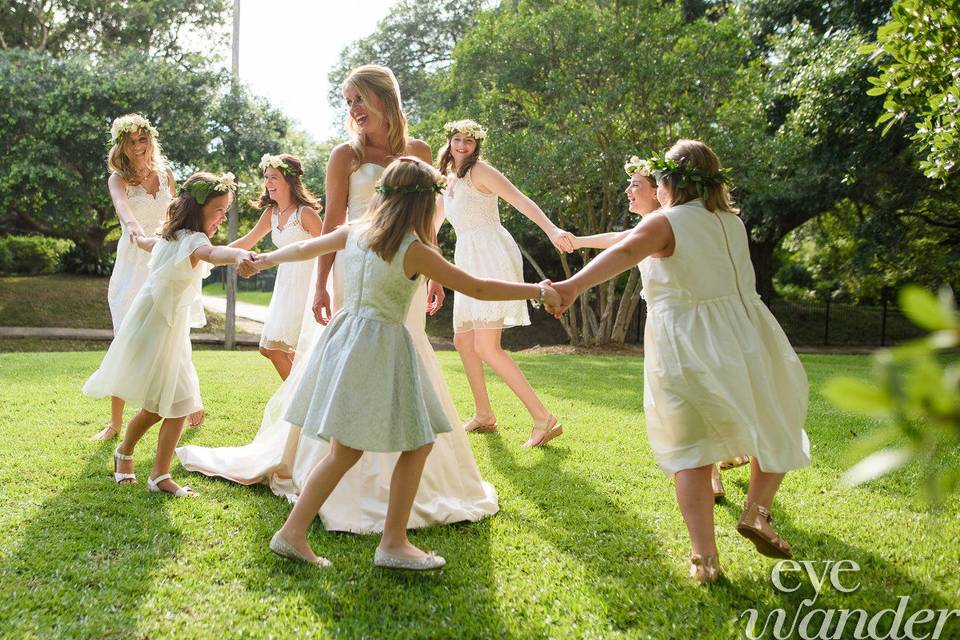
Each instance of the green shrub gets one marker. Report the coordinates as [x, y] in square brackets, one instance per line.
[32, 255]
[83, 260]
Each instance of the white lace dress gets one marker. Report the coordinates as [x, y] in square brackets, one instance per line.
[130, 269]
[451, 489]
[484, 249]
[290, 305]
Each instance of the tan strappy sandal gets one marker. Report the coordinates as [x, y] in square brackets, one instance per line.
[750, 526]
[705, 569]
[475, 426]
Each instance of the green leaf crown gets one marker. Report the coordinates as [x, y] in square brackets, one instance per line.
[202, 189]
[436, 187]
[684, 175]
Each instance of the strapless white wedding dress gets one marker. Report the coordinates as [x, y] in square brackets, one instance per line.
[451, 489]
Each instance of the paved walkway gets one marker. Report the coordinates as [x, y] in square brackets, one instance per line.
[107, 335]
[245, 310]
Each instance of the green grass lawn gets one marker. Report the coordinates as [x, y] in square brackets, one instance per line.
[588, 542]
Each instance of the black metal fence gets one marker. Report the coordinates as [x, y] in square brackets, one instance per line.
[827, 323]
[262, 281]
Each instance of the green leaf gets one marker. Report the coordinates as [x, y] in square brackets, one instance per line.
[876, 91]
[924, 310]
[859, 396]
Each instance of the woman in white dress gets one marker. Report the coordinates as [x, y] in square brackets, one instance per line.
[141, 186]
[720, 378]
[451, 489]
[290, 214]
[485, 249]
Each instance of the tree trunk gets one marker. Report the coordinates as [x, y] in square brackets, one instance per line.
[761, 254]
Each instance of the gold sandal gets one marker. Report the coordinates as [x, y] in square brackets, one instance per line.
[552, 430]
[716, 484]
[705, 569]
[733, 463]
[750, 527]
[475, 426]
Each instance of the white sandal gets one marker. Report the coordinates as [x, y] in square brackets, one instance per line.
[118, 477]
[182, 492]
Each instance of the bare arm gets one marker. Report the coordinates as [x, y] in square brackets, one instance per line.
[600, 240]
[253, 236]
[425, 260]
[652, 235]
[147, 244]
[118, 193]
[172, 183]
[305, 249]
[218, 255]
[487, 177]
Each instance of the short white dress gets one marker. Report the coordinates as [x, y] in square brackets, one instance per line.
[149, 361]
[364, 384]
[720, 377]
[484, 249]
[292, 297]
[130, 268]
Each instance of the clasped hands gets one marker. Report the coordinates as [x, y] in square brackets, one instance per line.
[558, 296]
[251, 264]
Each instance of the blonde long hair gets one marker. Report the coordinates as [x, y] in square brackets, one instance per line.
[390, 216]
[375, 80]
[119, 158]
[698, 155]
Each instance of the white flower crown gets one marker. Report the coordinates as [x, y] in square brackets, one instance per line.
[275, 162]
[466, 127]
[130, 123]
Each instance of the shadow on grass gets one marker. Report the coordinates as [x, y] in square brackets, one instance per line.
[84, 563]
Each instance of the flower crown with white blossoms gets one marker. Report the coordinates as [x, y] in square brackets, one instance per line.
[202, 189]
[276, 162]
[130, 123]
[636, 165]
[437, 186]
[467, 128]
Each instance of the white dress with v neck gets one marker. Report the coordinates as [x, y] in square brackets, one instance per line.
[290, 305]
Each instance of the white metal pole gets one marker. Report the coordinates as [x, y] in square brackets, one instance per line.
[233, 221]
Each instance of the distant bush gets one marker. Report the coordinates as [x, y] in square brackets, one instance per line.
[32, 255]
[83, 260]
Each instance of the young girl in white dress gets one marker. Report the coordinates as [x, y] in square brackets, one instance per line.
[486, 249]
[364, 389]
[148, 362]
[141, 186]
[290, 214]
[641, 193]
[720, 377]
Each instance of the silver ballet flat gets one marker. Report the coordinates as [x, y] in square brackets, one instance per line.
[282, 548]
[383, 559]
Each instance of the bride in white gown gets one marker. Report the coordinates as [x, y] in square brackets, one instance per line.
[451, 489]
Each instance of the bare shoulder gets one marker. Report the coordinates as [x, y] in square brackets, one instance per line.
[420, 149]
[116, 180]
[342, 155]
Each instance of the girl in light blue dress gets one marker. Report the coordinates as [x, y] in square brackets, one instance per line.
[364, 389]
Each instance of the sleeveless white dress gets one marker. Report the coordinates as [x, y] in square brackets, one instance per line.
[130, 268]
[720, 378]
[293, 289]
[484, 249]
[451, 489]
[149, 361]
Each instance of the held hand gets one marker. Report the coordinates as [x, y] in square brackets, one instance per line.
[567, 293]
[551, 299]
[133, 233]
[562, 240]
[321, 306]
[435, 297]
[250, 266]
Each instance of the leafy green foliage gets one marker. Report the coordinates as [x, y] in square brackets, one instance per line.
[32, 254]
[917, 389]
[55, 115]
[918, 78]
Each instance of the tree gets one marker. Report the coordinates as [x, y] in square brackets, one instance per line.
[54, 122]
[917, 51]
[156, 28]
[571, 89]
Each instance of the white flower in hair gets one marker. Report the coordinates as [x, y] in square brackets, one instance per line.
[227, 182]
[130, 123]
[466, 127]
